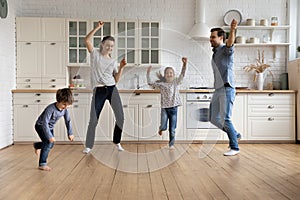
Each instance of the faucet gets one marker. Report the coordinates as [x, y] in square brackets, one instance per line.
[137, 81]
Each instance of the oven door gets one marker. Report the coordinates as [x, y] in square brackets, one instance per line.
[197, 115]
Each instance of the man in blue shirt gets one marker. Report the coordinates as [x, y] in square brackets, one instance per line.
[224, 95]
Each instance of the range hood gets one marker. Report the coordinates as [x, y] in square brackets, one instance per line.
[200, 30]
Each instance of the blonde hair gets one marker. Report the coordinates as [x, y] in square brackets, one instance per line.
[161, 78]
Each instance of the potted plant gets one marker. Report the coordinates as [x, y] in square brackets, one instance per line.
[259, 68]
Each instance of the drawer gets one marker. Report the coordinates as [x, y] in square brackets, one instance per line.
[53, 85]
[140, 97]
[24, 80]
[34, 98]
[271, 110]
[29, 86]
[53, 80]
[80, 98]
[277, 128]
[271, 98]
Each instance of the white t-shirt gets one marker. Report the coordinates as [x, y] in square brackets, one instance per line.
[102, 69]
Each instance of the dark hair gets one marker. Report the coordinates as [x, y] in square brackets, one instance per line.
[111, 38]
[220, 33]
[64, 95]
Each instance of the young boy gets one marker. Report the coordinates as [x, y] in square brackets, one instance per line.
[45, 124]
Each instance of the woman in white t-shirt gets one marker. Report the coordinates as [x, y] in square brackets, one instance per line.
[104, 76]
[170, 98]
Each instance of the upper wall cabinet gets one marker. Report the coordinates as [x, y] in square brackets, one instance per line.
[150, 43]
[138, 42]
[77, 52]
[41, 53]
[40, 29]
[77, 31]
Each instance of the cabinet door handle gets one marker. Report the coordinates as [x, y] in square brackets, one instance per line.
[149, 106]
[52, 43]
[25, 106]
[271, 94]
[75, 106]
[38, 94]
[52, 80]
[76, 94]
[53, 86]
[271, 119]
[28, 43]
[38, 101]
[27, 80]
[125, 106]
[271, 106]
[28, 86]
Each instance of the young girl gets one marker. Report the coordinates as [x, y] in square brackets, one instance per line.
[104, 74]
[170, 98]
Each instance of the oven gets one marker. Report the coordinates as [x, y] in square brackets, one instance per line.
[197, 111]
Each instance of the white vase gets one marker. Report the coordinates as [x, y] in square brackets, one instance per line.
[260, 81]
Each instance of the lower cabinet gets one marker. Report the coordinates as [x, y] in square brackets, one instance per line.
[271, 116]
[142, 116]
[27, 108]
[257, 116]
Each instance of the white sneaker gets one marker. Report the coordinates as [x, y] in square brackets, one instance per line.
[86, 150]
[171, 147]
[119, 147]
[231, 152]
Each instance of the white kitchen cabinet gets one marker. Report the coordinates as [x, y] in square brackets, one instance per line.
[77, 30]
[239, 115]
[138, 42]
[149, 121]
[131, 121]
[30, 29]
[80, 113]
[271, 116]
[293, 68]
[142, 116]
[77, 52]
[27, 108]
[41, 58]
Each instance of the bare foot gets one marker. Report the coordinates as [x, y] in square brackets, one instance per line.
[44, 168]
[160, 132]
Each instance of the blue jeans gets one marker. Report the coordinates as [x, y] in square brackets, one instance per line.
[44, 145]
[100, 95]
[171, 115]
[221, 111]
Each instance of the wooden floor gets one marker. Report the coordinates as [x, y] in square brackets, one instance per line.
[151, 171]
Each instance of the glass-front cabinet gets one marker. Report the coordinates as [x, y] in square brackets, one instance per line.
[150, 43]
[138, 42]
[77, 30]
[126, 36]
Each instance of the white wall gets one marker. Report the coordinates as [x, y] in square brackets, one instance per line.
[7, 74]
[177, 17]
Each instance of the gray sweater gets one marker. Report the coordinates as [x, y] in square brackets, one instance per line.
[50, 116]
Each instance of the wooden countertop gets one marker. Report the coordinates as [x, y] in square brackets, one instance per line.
[155, 91]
